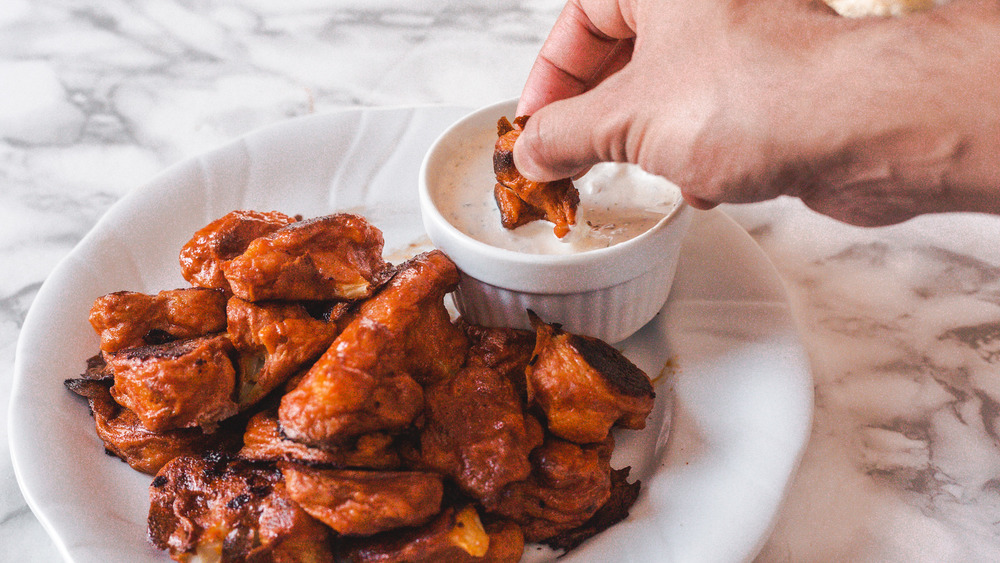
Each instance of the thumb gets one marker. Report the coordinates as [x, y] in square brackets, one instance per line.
[565, 138]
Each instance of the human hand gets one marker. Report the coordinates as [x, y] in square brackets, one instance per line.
[747, 100]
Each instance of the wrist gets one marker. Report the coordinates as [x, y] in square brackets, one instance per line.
[900, 112]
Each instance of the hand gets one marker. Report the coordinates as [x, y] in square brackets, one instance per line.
[869, 121]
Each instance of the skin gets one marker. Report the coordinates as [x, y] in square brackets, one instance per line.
[870, 121]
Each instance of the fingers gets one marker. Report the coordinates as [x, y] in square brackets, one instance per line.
[615, 61]
[697, 202]
[590, 41]
[562, 139]
[584, 46]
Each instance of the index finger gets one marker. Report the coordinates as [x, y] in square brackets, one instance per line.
[585, 40]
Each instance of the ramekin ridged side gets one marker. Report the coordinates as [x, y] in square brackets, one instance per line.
[611, 313]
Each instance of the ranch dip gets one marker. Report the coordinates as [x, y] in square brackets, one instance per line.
[618, 202]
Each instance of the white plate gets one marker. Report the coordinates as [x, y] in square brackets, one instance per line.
[737, 381]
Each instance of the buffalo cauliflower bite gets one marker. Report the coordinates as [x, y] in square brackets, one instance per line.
[176, 385]
[456, 535]
[584, 385]
[126, 319]
[476, 431]
[263, 441]
[362, 503]
[273, 341]
[204, 258]
[214, 509]
[367, 380]
[568, 484]
[337, 256]
[521, 200]
[125, 437]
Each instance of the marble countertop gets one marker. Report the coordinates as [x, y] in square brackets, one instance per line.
[901, 324]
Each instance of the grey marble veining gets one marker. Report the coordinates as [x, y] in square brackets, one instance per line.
[901, 324]
[901, 327]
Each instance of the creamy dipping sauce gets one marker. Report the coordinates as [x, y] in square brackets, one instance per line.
[618, 202]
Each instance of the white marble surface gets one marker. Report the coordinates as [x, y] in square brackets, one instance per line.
[901, 324]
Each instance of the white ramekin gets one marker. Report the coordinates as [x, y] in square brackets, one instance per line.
[607, 293]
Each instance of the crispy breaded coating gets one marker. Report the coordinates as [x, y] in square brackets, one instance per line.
[520, 200]
[476, 431]
[225, 510]
[506, 350]
[126, 319]
[273, 340]
[337, 256]
[584, 385]
[428, 344]
[125, 437]
[204, 257]
[176, 385]
[362, 503]
[367, 380]
[97, 370]
[568, 484]
[454, 536]
[263, 441]
[623, 496]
